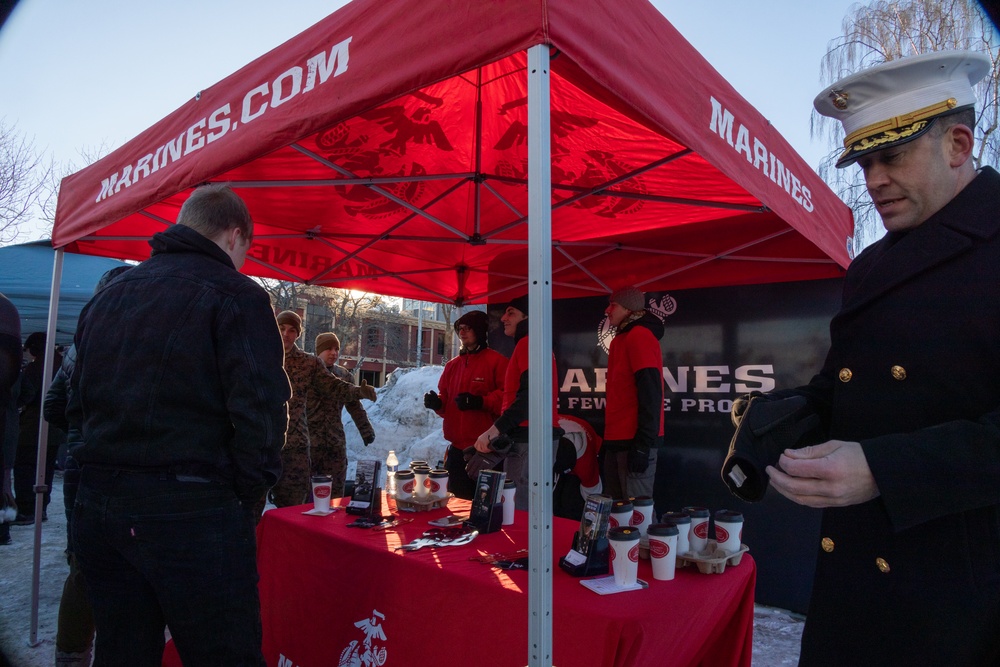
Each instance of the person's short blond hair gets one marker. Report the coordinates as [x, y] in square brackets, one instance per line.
[214, 209]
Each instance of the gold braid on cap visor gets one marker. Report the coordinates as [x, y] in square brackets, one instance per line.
[895, 128]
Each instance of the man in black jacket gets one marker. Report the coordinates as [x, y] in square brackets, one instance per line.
[908, 567]
[180, 396]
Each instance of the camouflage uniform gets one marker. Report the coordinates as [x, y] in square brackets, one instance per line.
[326, 432]
[311, 385]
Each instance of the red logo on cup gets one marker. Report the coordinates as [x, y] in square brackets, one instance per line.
[721, 534]
[613, 523]
[701, 530]
[322, 491]
[612, 550]
[637, 518]
[432, 485]
[408, 487]
[633, 554]
[658, 549]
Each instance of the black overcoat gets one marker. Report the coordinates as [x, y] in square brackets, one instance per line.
[913, 374]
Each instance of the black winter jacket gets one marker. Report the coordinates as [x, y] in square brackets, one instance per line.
[179, 367]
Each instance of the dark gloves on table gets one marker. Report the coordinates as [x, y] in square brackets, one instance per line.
[432, 401]
[765, 427]
[638, 458]
[467, 401]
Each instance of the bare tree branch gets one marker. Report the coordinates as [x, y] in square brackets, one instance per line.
[25, 181]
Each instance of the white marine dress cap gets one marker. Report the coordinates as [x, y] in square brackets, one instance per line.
[897, 101]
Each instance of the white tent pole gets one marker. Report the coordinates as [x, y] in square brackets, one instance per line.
[539, 360]
[43, 440]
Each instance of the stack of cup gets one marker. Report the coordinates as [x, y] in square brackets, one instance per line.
[642, 518]
[322, 487]
[683, 522]
[621, 514]
[624, 544]
[509, 489]
[699, 528]
[729, 530]
[663, 550]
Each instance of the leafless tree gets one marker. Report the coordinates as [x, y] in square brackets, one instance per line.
[885, 30]
[25, 181]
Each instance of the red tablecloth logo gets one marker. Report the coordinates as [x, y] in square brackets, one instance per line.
[701, 530]
[721, 534]
[370, 650]
[322, 491]
[658, 549]
[633, 553]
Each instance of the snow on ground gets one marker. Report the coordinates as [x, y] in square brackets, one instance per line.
[401, 422]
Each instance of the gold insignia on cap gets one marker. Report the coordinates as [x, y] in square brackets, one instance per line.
[898, 372]
[900, 126]
[845, 375]
[839, 99]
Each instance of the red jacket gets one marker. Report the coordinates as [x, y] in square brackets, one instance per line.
[634, 408]
[480, 373]
[515, 388]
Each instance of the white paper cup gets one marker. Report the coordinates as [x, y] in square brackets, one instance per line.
[683, 522]
[621, 514]
[624, 544]
[729, 530]
[642, 517]
[322, 487]
[437, 484]
[698, 538]
[405, 485]
[663, 550]
[509, 489]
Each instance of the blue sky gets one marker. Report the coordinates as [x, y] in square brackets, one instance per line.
[77, 76]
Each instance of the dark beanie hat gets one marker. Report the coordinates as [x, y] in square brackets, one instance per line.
[521, 303]
[290, 317]
[327, 341]
[629, 298]
[479, 322]
[35, 343]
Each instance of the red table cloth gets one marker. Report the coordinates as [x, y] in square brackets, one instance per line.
[334, 595]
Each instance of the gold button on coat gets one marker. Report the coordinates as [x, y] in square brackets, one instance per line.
[827, 544]
[846, 374]
[899, 372]
[882, 565]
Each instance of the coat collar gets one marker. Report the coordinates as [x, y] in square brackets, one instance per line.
[968, 218]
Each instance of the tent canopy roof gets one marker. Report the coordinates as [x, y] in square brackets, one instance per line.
[385, 149]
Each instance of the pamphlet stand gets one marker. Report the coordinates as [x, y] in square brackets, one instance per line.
[597, 560]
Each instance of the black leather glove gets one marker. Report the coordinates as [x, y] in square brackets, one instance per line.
[638, 458]
[467, 401]
[765, 427]
[432, 401]
[476, 461]
[368, 439]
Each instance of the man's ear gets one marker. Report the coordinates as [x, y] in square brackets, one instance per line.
[959, 144]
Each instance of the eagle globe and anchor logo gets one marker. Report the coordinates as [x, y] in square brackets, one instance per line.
[370, 651]
[663, 308]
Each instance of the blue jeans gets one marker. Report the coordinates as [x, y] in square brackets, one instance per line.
[161, 552]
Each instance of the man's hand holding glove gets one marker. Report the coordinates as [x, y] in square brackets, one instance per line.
[432, 401]
[765, 427]
[467, 401]
[477, 461]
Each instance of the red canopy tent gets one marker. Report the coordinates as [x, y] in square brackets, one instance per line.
[385, 149]
[389, 149]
